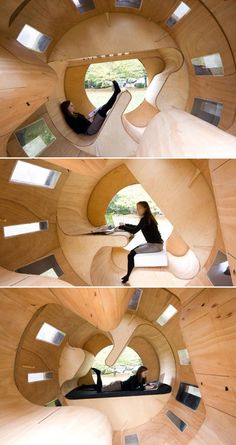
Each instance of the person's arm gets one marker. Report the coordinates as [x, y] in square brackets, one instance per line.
[132, 228]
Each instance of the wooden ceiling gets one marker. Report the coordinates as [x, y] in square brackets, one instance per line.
[55, 18]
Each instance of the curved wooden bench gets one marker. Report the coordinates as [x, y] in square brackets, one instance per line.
[111, 140]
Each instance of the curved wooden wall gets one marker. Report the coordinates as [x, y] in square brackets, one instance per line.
[207, 29]
[205, 324]
[182, 189]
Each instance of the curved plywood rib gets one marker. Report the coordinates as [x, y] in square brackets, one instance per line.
[9, 278]
[174, 132]
[173, 60]
[74, 364]
[111, 140]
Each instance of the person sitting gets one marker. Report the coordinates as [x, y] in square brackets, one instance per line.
[149, 227]
[79, 123]
[135, 382]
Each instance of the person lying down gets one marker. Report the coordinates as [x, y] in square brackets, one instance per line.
[79, 123]
[134, 382]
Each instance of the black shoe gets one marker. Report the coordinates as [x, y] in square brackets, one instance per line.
[97, 371]
[116, 87]
[125, 279]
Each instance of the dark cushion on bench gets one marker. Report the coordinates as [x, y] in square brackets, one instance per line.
[92, 394]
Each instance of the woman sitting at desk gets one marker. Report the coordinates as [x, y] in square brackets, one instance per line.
[149, 227]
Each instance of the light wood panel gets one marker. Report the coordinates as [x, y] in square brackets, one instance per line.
[223, 179]
[25, 86]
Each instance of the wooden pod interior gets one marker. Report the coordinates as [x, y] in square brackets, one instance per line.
[100, 31]
[204, 324]
[196, 196]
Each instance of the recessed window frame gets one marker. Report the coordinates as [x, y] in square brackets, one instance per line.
[204, 69]
[39, 377]
[174, 19]
[198, 110]
[186, 389]
[128, 4]
[29, 28]
[42, 266]
[82, 7]
[50, 334]
[135, 300]
[165, 315]
[42, 227]
[55, 175]
[179, 423]
[31, 125]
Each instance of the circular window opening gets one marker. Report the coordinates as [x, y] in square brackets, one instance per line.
[130, 74]
[126, 365]
[122, 210]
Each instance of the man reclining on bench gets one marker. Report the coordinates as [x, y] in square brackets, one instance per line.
[79, 123]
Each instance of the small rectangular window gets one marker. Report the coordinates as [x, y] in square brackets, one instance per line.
[35, 138]
[135, 299]
[32, 174]
[84, 5]
[47, 267]
[208, 65]
[189, 395]
[128, 3]
[178, 14]
[23, 229]
[207, 110]
[184, 358]
[49, 334]
[39, 376]
[168, 313]
[181, 425]
[219, 272]
[33, 39]
[131, 439]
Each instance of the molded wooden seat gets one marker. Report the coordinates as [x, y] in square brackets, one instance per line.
[110, 141]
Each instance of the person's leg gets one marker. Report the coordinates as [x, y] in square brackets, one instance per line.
[105, 108]
[131, 256]
[143, 248]
[149, 248]
[113, 386]
[99, 380]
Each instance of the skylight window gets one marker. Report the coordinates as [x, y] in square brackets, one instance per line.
[39, 376]
[84, 5]
[128, 3]
[169, 312]
[32, 174]
[208, 110]
[33, 39]
[211, 65]
[189, 395]
[184, 358]
[35, 138]
[23, 229]
[49, 334]
[135, 299]
[178, 14]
